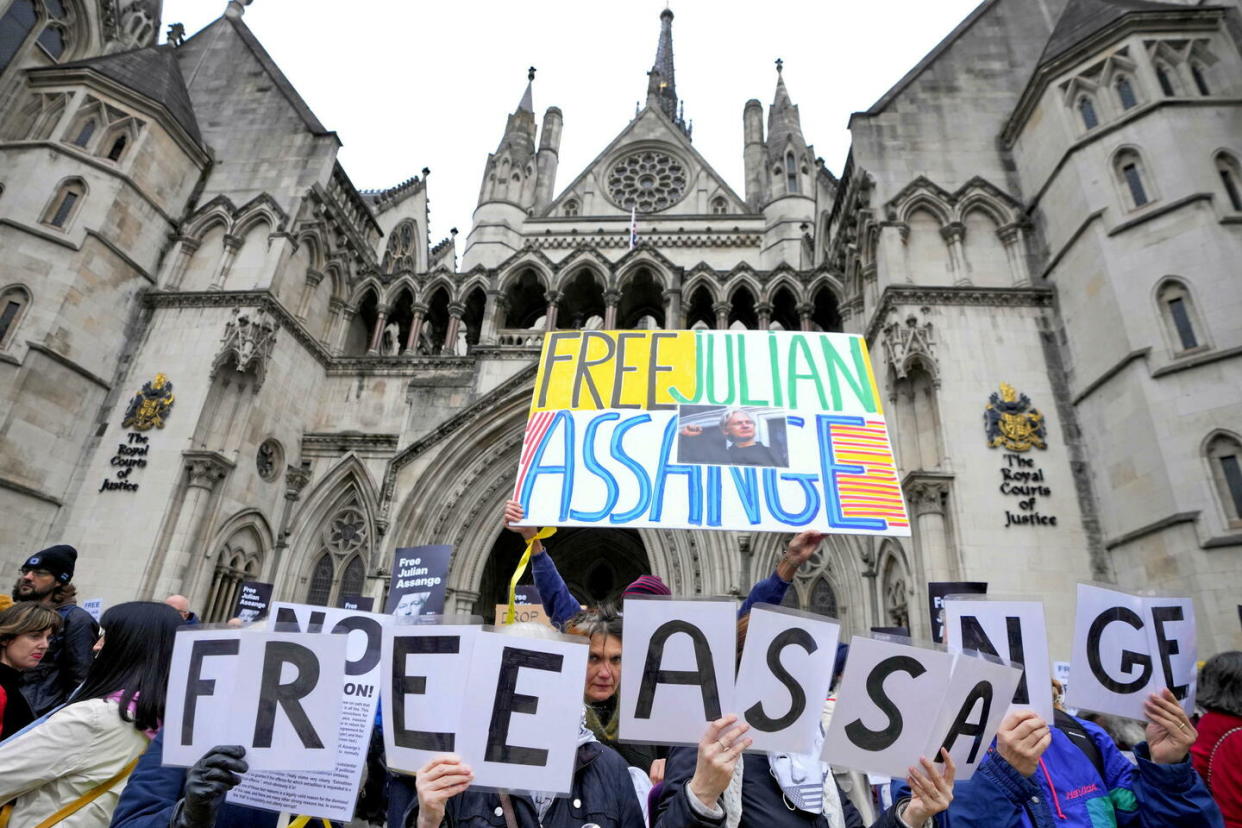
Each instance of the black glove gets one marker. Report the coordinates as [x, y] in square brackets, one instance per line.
[206, 783]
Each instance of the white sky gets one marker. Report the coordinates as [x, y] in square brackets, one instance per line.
[409, 84]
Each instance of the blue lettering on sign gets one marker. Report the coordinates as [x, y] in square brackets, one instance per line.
[830, 469]
[746, 479]
[772, 495]
[593, 465]
[565, 421]
[644, 485]
[694, 479]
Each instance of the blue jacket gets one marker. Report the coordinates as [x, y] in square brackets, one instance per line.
[560, 604]
[1066, 791]
[153, 791]
[602, 795]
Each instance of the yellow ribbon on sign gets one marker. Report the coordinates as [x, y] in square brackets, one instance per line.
[510, 613]
[302, 821]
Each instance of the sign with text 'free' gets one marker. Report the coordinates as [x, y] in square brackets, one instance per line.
[763, 430]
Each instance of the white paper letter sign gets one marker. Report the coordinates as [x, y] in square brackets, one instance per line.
[1128, 646]
[881, 723]
[332, 795]
[678, 675]
[784, 676]
[426, 669]
[524, 703]
[1013, 631]
[975, 702]
[276, 694]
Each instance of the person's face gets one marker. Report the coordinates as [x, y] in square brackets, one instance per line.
[740, 428]
[33, 585]
[27, 650]
[603, 668]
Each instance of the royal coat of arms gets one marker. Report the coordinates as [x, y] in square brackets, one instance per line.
[1012, 423]
[150, 406]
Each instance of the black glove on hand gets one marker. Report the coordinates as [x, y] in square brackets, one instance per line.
[206, 783]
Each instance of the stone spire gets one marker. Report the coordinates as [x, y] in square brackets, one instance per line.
[783, 118]
[527, 104]
[661, 80]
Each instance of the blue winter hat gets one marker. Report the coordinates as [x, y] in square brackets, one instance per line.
[58, 560]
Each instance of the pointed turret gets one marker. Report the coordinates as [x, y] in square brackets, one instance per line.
[661, 80]
[788, 156]
[786, 175]
[510, 173]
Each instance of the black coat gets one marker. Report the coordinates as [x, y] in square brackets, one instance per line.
[17, 713]
[602, 794]
[66, 662]
[763, 803]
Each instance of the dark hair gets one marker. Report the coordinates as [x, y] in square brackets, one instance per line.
[27, 617]
[604, 619]
[134, 660]
[64, 594]
[1220, 683]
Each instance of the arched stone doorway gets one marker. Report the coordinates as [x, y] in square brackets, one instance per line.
[596, 564]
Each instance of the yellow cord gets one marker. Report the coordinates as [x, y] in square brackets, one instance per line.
[545, 532]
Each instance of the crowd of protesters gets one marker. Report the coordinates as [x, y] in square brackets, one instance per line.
[81, 708]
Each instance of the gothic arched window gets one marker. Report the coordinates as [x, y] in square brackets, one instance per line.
[1177, 308]
[84, 134]
[571, 207]
[719, 206]
[1125, 93]
[118, 148]
[1224, 453]
[1196, 72]
[1231, 179]
[895, 582]
[1086, 108]
[1128, 167]
[63, 207]
[823, 599]
[354, 578]
[13, 303]
[22, 18]
[791, 173]
[320, 591]
[1165, 81]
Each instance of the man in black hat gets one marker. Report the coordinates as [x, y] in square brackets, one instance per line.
[45, 578]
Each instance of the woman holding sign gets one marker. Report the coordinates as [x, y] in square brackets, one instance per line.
[69, 768]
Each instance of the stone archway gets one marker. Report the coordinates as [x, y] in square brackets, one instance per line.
[596, 564]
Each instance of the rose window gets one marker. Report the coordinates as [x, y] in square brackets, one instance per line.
[647, 181]
[346, 531]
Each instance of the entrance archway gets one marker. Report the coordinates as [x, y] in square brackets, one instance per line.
[596, 564]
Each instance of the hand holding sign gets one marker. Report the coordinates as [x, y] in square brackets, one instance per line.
[513, 514]
[207, 782]
[932, 790]
[1169, 731]
[722, 745]
[1022, 739]
[438, 781]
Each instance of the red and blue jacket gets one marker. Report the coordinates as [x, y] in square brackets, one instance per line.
[1067, 791]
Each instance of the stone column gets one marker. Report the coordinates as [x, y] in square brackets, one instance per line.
[764, 310]
[416, 328]
[492, 313]
[231, 245]
[722, 315]
[926, 497]
[177, 260]
[450, 337]
[805, 310]
[953, 235]
[381, 314]
[1014, 239]
[313, 278]
[612, 298]
[204, 471]
[336, 308]
[673, 319]
[553, 296]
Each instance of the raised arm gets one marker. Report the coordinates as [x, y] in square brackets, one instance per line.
[558, 602]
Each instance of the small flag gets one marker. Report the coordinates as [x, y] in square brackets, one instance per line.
[633, 228]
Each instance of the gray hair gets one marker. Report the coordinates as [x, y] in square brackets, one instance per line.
[729, 412]
[602, 620]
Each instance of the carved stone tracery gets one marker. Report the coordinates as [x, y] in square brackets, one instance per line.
[905, 340]
[247, 344]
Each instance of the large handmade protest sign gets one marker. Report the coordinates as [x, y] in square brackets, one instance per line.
[766, 430]
[679, 657]
[898, 702]
[784, 676]
[330, 794]
[1128, 646]
[1012, 630]
[276, 694]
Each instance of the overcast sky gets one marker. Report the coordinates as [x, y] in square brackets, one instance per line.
[410, 84]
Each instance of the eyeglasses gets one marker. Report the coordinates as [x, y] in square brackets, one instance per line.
[41, 573]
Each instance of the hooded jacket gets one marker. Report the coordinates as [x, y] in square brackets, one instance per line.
[1066, 791]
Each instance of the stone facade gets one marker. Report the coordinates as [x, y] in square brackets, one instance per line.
[333, 385]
